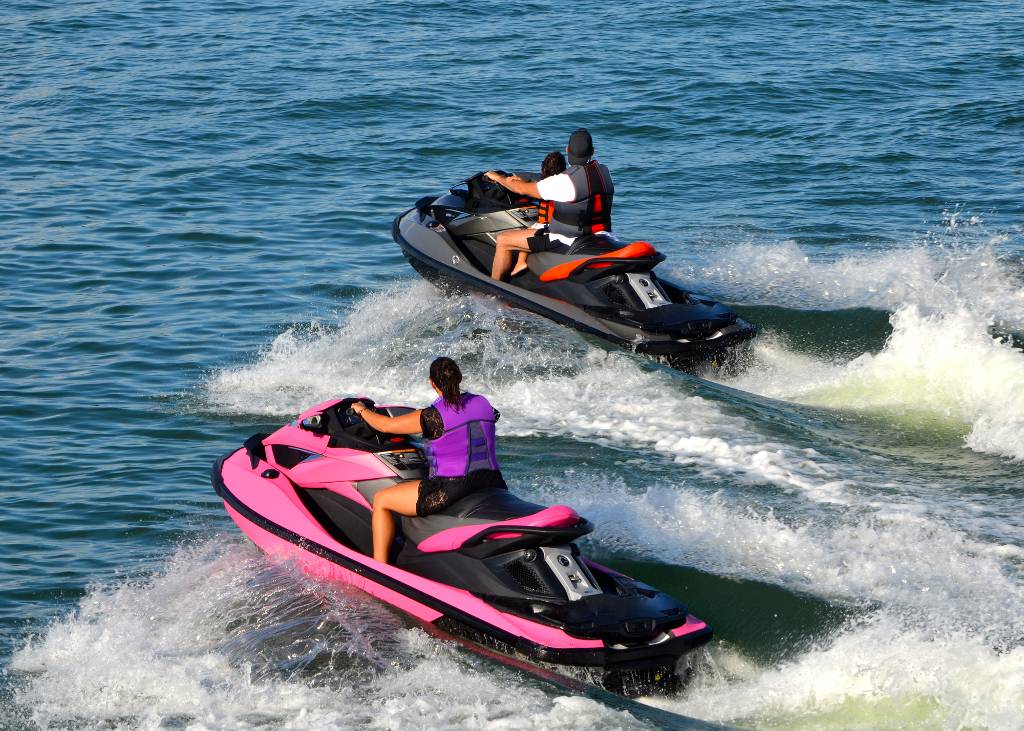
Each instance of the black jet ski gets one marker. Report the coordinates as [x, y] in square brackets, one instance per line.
[602, 285]
[491, 568]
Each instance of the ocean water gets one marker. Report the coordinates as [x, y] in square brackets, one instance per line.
[195, 208]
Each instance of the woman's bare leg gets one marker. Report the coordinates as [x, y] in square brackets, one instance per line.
[398, 499]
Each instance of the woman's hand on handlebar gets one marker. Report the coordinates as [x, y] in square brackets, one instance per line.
[359, 408]
[408, 423]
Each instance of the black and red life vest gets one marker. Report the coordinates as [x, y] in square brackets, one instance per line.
[590, 212]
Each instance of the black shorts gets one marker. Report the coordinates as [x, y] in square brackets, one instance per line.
[437, 493]
[540, 241]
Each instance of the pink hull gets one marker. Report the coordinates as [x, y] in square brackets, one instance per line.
[322, 568]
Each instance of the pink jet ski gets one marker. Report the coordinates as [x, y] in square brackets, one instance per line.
[491, 568]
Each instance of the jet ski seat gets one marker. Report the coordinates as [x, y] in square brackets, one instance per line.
[446, 528]
[482, 507]
[592, 244]
[636, 250]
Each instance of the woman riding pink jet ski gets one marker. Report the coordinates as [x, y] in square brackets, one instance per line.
[458, 431]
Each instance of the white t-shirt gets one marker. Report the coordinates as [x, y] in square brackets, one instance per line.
[559, 188]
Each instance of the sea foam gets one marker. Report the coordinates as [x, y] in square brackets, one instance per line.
[947, 358]
[544, 379]
[935, 642]
[223, 639]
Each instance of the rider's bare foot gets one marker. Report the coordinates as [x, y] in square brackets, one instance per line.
[519, 269]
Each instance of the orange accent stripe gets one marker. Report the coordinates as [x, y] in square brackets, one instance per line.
[636, 250]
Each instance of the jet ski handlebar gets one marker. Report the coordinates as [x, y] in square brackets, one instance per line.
[344, 407]
[337, 416]
[483, 191]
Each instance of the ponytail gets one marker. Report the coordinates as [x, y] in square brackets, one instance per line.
[445, 374]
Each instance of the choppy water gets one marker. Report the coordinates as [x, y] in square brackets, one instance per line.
[195, 205]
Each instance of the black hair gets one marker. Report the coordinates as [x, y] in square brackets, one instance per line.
[553, 164]
[445, 374]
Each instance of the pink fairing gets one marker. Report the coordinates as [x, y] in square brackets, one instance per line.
[557, 516]
[322, 568]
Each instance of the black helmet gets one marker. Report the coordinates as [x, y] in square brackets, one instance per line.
[581, 146]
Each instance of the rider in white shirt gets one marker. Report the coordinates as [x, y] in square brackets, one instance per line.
[575, 203]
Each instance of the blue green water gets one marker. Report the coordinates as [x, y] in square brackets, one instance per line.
[195, 207]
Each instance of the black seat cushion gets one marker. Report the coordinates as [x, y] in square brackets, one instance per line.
[489, 505]
[592, 244]
[493, 504]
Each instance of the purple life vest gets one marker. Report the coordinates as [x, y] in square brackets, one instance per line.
[467, 444]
